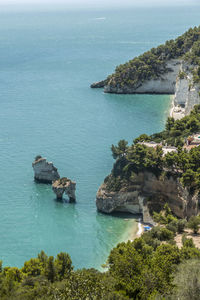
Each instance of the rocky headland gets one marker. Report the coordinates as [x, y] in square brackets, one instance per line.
[44, 171]
[146, 194]
[172, 68]
[148, 174]
[144, 176]
[64, 185]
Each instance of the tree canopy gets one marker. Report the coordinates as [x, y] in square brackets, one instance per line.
[152, 64]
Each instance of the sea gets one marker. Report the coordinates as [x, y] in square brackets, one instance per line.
[48, 59]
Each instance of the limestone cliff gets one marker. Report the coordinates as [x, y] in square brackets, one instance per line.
[157, 72]
[186, 92]
[44, 171]
[164, 84]
[146, 194]
[64, 185]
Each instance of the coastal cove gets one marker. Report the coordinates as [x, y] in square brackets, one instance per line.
[48, 61]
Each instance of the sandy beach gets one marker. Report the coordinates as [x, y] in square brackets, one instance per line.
[136, 231]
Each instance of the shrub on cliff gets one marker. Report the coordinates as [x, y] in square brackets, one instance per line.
[165, 216]
[120, 149]
[181, 225]
[187, 281]
[140, 157]
[187, 242]
[194, 223]
[162, 233]
[142, 138]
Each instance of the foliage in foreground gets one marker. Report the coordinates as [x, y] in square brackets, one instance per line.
[147, 268]
[187, 281]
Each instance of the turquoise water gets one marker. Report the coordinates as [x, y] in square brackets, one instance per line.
[47, 61]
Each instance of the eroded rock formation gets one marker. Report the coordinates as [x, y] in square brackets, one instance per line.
[64, 185]
[186, 91]
[44, 171]
[147, 194]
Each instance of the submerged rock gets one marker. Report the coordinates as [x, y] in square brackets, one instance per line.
[64, 185]
[44, 171]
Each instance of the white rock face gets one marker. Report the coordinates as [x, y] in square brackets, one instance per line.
[145, 193]
[109, 202]
[44, 171]
[165, 84]
[186, 94]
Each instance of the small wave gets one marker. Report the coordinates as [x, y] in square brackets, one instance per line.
[100, 19]
[135, 43]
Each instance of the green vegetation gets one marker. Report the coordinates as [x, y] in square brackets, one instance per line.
[152, 64]
[146, 268]
[182, 75]
[187, 281]
[63, 180]
[194, 223]
[176, 131]
[130, 160]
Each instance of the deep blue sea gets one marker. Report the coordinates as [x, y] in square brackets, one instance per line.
[48, 59]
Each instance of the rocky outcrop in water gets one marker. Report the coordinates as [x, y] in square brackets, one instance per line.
[64, 185]
[147, 194]
[44, 171]
[99, 84]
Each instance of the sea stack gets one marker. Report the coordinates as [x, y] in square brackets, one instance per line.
[64, 185]
[44, 171]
